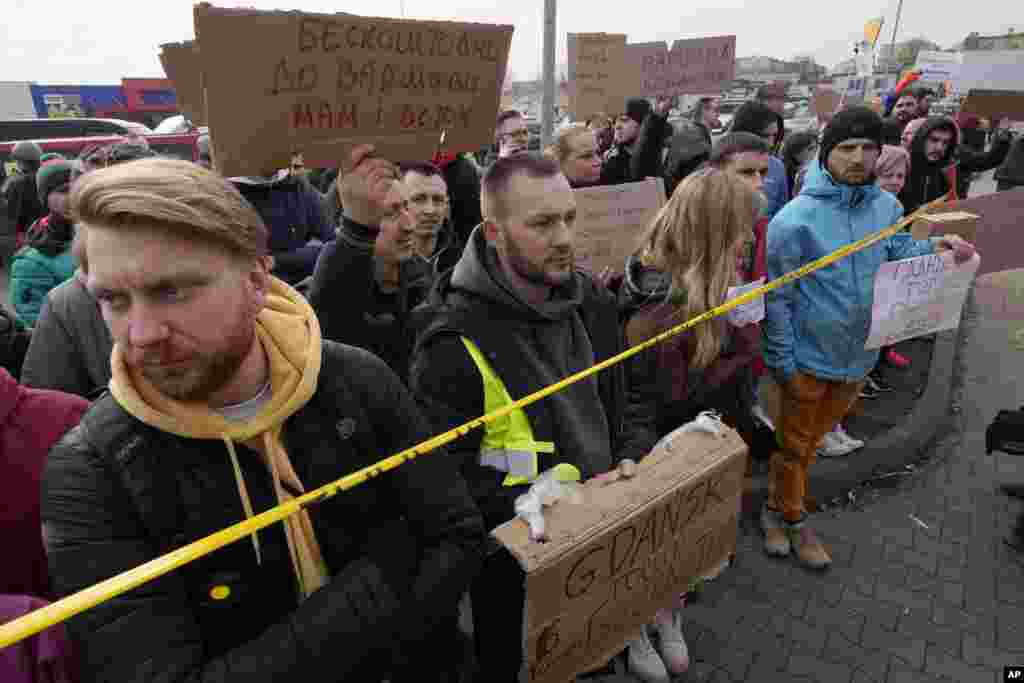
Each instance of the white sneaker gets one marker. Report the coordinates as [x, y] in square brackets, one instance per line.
[644, 661]
[759, 413]
[674, 653]
[854, 444]
[833, 446]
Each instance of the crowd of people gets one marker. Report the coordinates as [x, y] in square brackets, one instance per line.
[211, 347]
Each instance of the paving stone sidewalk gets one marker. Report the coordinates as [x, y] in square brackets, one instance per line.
[923, 588]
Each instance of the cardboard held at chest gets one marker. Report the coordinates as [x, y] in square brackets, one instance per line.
[182, 63]
[279, 83]
[629, 549]
[610, 219]
[697, 66]
[597, 74]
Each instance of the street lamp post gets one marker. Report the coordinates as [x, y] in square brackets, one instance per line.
[547, 113]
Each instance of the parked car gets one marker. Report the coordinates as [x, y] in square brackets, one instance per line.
[181, 146]
[15, 130]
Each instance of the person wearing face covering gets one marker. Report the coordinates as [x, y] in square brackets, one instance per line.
[224, 402]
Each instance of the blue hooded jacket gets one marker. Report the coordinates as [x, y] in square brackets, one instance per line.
[819, 323]
[776, 186]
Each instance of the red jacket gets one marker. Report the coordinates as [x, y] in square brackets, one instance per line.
[760, 270]
[31, 421]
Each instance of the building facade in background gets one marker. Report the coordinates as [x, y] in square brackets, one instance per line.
[144, 100]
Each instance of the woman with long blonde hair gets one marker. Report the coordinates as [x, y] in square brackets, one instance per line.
[692, 253]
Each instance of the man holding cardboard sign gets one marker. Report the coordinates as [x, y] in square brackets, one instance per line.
[512, 317]
[815, 328]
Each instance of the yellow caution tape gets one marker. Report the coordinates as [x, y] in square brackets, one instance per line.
[62, 610]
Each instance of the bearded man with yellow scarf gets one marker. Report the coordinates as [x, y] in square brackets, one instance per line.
[225, 402]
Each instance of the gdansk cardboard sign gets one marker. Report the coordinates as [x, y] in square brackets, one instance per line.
[628, 549]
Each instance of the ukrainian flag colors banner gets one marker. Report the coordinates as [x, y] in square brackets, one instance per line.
[872, 29]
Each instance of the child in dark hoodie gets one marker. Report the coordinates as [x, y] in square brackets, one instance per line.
[46, 259]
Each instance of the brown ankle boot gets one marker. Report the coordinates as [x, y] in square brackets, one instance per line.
[776, 542]
[809, 550]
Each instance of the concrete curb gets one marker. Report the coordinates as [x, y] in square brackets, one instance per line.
[935, 415]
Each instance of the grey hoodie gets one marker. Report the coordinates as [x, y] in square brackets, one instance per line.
[530, 347]
[71, 345]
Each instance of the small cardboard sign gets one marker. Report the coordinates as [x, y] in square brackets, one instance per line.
[628, 549]
[825, 101]
[183, 65]
[918, 296]
[995, 233]
[279, 83]
[610, 220]
[696, 66]
[597, 74]
[995, 105]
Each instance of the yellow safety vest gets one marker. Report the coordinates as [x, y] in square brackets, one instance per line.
[508, 444]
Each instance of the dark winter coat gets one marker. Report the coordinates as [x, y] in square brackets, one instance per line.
[529, 347]
[400, 549]
[294, 215]
[1011, 173]
[31, 421]
[928, 181]
[352, 309]
[463, 181]
[689, 148]
[892, 131]
[71, 343]
[642, 159]
[23, 205]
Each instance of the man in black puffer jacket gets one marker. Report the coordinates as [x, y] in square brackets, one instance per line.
[368, 280]
[225, 402]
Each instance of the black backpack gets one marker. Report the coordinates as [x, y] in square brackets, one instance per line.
[1006, 433]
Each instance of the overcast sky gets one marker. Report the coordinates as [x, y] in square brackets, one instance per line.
[101, 41]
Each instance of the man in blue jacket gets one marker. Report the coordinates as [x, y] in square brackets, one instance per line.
[816, 327]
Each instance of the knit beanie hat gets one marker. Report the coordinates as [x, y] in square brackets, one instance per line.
[48, 156]
[51, 176]
[637, 108]
[849, 124]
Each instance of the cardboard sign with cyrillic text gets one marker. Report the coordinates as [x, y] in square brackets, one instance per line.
[698, 66]
[995, 105]
[610, 219]
[627, 549]
[279, 83]
[597, 83]
[825, 101]
[183, 65]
